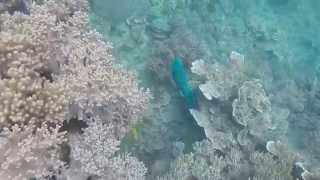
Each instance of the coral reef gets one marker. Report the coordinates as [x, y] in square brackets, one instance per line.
[30, 152]
[227, 45]
[221, 80]
[252, 108]
[261, 120]
[69, 111]
[94, 153]
[208, 162]
[55, 70]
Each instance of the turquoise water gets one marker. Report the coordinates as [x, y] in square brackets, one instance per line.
[278, 38]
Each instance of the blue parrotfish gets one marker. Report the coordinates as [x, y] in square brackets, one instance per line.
[180, 78]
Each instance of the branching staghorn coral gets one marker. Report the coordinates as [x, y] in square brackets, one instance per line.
[32, 109]
[52, 69]
[277, 164]
[199, 165]
[95, 150]
[30, 152]
[97, 88]
[26, 96]
[207, 162]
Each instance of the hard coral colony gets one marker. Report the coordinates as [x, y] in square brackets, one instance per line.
[69, 111]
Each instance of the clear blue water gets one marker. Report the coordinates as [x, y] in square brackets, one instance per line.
[280, 40]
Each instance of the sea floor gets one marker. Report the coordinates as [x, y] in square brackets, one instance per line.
[278, 38]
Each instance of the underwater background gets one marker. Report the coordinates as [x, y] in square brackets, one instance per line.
[231, 47]
[159, 90]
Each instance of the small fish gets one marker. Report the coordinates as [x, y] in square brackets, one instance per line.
[135, 133]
